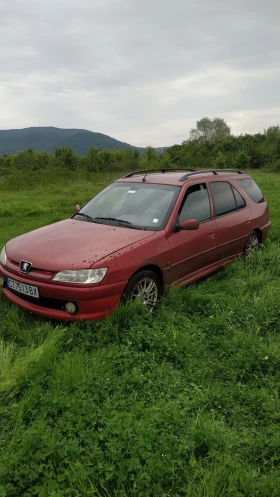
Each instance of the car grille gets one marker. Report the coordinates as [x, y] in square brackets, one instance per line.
[42, 301]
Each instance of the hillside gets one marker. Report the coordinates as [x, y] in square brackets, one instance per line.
[48, 138]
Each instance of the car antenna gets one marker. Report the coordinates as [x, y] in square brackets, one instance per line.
[144, 177]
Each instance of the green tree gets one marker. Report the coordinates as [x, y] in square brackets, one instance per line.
[220, 162]
[104, 160]
[272, 133]
[30, 160]
[164, 160]
[258, 158]
[277, 148]
[150, 154]
[135, 153]
[91, 158]
[149, 159]
[210, 129]
[242, 160]
[66, 157]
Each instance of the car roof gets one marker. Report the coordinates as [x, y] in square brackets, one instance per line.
[178, 178]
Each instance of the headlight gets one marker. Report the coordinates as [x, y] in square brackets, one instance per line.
[82, 276]
[3, 257]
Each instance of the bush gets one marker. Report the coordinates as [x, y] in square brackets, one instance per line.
[276, 166]
[241, 160]
[220, 162]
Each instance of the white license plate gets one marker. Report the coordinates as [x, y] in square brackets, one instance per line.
[30, 290]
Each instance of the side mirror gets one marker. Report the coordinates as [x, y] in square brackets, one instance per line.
[78, 208]
[189, 225]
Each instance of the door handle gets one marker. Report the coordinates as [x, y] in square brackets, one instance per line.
[211, 233]
[247, 220]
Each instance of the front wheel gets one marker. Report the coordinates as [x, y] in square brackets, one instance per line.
[144, 286]
[252, 245]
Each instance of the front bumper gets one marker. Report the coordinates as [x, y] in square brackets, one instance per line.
[94, 303]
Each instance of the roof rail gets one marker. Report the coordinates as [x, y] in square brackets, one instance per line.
[162, 170]
[214, 171]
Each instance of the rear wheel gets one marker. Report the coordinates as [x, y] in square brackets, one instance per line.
[252, 245]
[144, 286]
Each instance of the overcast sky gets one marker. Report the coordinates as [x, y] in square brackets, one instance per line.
[142, 71]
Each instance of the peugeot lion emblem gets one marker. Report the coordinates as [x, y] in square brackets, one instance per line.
[25, 267]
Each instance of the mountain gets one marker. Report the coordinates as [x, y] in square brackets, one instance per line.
[49, 138]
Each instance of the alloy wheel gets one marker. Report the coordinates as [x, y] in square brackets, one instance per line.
[146, 289]
[252, 245]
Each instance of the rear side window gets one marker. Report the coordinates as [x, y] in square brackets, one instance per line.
[240, 202]
[252, 190]
[224, 201]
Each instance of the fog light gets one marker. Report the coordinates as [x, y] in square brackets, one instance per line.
[71, 307]
[1, 281]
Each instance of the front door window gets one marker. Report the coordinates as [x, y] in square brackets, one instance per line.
[196, 204]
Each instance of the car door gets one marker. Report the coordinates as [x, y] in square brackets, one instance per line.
[233, 218]
[191, 251]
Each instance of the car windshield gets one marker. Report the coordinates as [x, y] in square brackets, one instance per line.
[132, 205]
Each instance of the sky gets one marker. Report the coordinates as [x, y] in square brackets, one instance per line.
[141, 71]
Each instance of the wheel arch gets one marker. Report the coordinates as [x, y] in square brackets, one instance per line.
[258, 231]
[155, 269]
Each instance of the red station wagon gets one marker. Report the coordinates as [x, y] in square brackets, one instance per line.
[143, 233]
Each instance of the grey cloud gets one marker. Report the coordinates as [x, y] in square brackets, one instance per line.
[143, 72]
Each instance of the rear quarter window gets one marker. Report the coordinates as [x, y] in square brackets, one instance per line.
[240, 202]
[252, 190]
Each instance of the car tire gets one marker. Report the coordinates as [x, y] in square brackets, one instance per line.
[252, 244]
[144, 285]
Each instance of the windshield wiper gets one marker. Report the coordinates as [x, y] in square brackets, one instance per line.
[112, 219]
[121, 222]
[89, 218]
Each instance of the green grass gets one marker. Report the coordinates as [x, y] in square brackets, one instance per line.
[180, 403]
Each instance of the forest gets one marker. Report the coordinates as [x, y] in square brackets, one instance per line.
[210, 145]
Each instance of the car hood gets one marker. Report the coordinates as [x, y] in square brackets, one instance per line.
[71, 244]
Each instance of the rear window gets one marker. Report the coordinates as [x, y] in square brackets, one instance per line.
[252, 190]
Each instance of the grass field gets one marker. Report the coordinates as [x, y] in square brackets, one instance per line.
[181, 403]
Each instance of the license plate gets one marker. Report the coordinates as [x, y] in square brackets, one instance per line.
[29, 290]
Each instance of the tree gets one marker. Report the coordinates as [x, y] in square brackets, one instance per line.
[258, 158]
[66, 157]
[210, 129]
[135, 153]
[242, 160]
[272, 133]
[91, 158]
[220, 162]
[150, 154]
[103, 160]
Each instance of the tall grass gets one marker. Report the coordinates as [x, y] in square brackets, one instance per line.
[183, 402]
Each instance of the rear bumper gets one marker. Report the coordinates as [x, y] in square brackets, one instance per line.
[94, 303]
